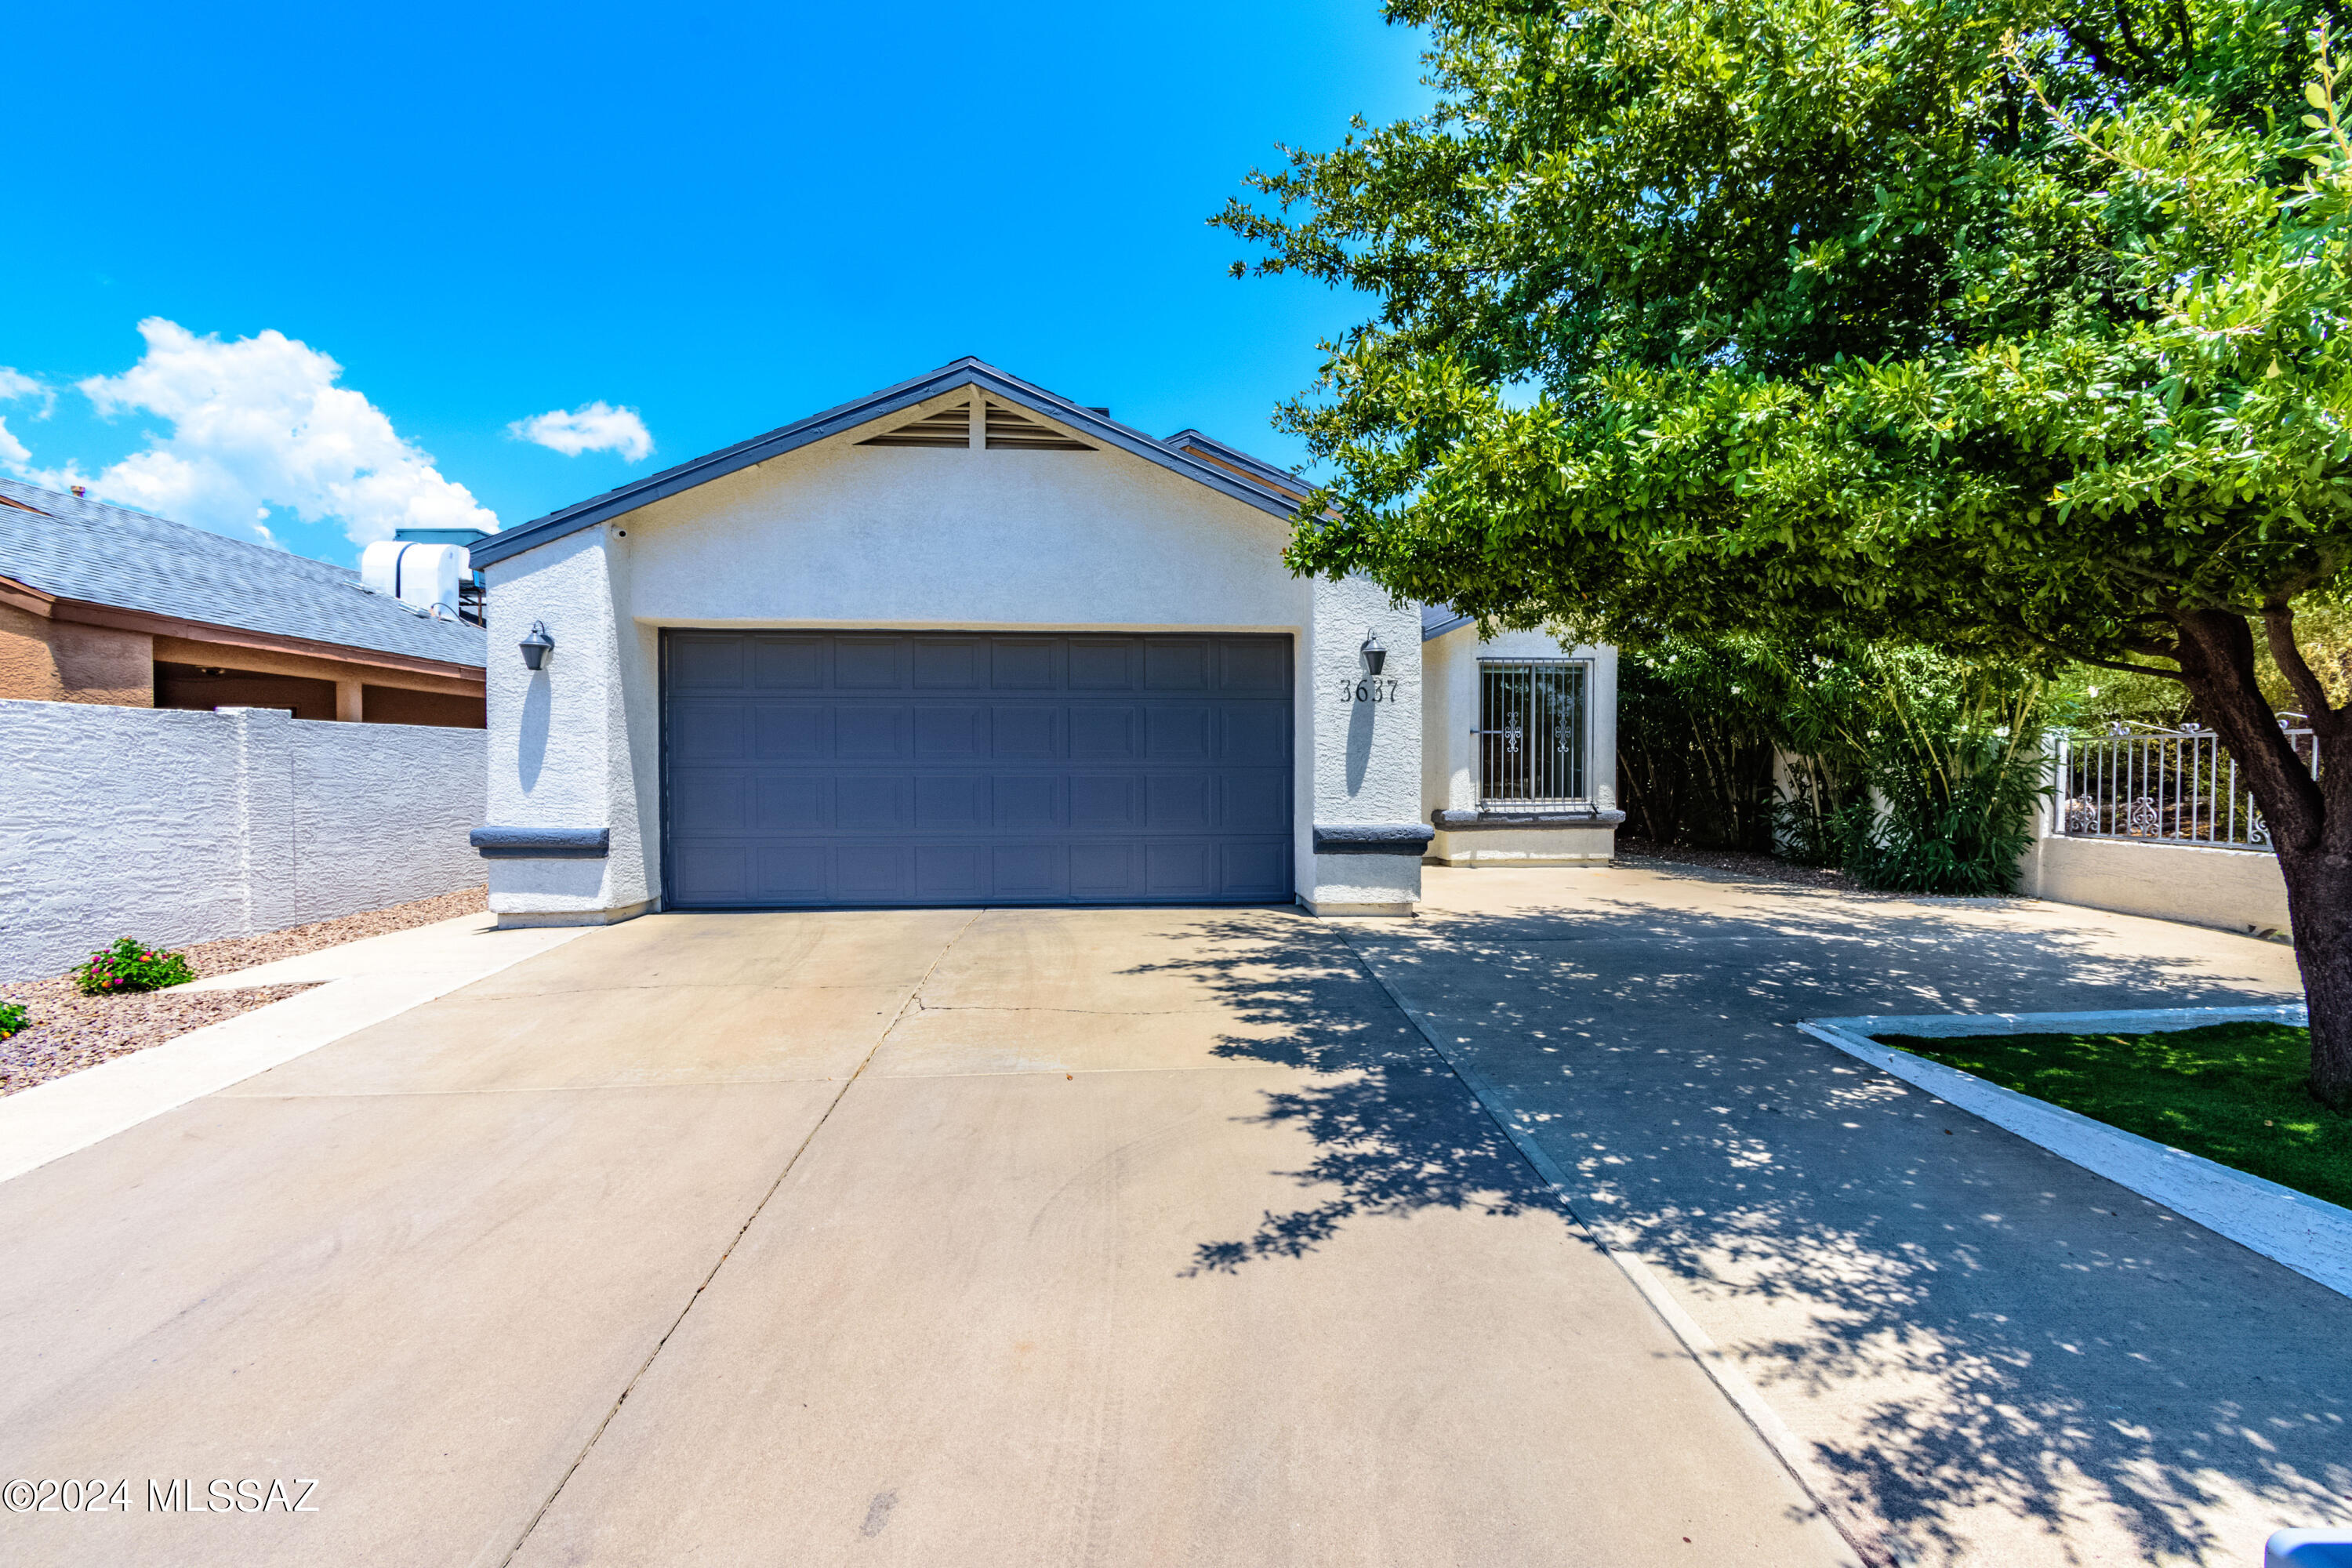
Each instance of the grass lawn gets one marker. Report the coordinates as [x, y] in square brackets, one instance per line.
[2232, 1092]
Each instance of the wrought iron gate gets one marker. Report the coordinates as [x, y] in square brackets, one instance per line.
[1531, 731]
[2144, 781]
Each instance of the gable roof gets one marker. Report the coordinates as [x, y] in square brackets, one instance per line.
[1258, 468]
[1250, 488]
[72, 548]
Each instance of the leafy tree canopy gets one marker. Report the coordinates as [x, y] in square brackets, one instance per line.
[2007, 327]
[1994, 324]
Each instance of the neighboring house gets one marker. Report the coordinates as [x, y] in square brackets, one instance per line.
[963, 642]
[100, 604]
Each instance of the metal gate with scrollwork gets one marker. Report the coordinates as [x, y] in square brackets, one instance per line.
[1531, 731]
[2146, 781]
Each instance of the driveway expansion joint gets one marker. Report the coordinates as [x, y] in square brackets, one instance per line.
[775, 1186]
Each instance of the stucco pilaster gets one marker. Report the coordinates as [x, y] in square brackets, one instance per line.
[561, 744]
[264, 789]
[1363, 738]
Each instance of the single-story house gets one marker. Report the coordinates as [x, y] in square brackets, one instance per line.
[99, 603]
[965, 641]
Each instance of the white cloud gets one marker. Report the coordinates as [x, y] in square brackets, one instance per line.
[14, 384]
[259, 423]
[591, 427]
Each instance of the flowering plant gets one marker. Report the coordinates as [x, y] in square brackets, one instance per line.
[127, 966]
[12, 1018]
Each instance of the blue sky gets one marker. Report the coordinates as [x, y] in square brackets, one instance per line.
[720, 217]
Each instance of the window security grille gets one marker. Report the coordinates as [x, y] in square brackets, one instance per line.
[1531, 731]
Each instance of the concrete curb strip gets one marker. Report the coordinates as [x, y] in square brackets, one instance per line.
[366, 981]
[2308, 1235]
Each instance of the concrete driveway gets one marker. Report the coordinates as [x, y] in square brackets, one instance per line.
[1985, 1354]
[1091, 1237]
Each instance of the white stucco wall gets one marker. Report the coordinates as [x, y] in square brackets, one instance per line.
[2237, 889]
[1450, 757]
[181, 827]
[574, 744]
[840, 536]
[1365, 748]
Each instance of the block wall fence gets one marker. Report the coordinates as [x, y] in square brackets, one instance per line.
[174, 827]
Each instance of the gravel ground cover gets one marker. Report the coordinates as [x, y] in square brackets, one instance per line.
[1739, 862]
[69, 1031]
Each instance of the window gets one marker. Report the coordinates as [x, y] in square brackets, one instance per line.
[1530, 731]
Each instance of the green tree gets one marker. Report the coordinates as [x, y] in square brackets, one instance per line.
[2001, 327]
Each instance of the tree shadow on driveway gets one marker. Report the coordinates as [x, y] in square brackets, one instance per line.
[1992, 1350]
[1394, 1130]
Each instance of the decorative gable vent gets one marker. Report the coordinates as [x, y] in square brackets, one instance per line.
[947, 427]
[1011, 430]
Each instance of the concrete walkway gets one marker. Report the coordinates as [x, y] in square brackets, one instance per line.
[1989, 1355]
[1108, 1236]
[357, 984]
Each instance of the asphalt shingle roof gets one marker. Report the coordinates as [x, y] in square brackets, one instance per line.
[107, 555]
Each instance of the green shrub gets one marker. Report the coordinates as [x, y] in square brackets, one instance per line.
[1915, 771]
[1958, 834]
[1694, 735]
[12, 1018]
[127, 966]
[1952, 750]
[1818, 820]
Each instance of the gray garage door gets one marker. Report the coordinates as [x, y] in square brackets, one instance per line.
[969, 768]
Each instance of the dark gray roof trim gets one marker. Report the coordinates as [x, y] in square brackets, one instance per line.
[1259, 467]
[1436, 620]
[73, 548]
[964, 372]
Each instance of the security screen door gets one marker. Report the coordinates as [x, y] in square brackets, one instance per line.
[844, 768]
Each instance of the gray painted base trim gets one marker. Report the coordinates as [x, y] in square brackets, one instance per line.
[496, 843]
[1454, 821]
[2312, 1237]
[525, 918]
[1372, 838]
[1328, 910]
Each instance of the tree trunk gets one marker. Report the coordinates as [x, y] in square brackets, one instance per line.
[2310, 824]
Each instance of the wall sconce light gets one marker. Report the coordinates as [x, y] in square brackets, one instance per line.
[1374, 654]
[537, 647]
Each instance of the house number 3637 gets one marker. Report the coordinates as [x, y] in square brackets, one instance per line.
[1368, 690]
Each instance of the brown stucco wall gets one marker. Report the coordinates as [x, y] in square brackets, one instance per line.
[185, 686]
[392, 705]
[43, 660]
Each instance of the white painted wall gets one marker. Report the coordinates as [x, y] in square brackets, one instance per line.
[1367, 754]
[573, 744]
[1450, 757]
[181, 827]
[2236, 889]
[836, 535]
